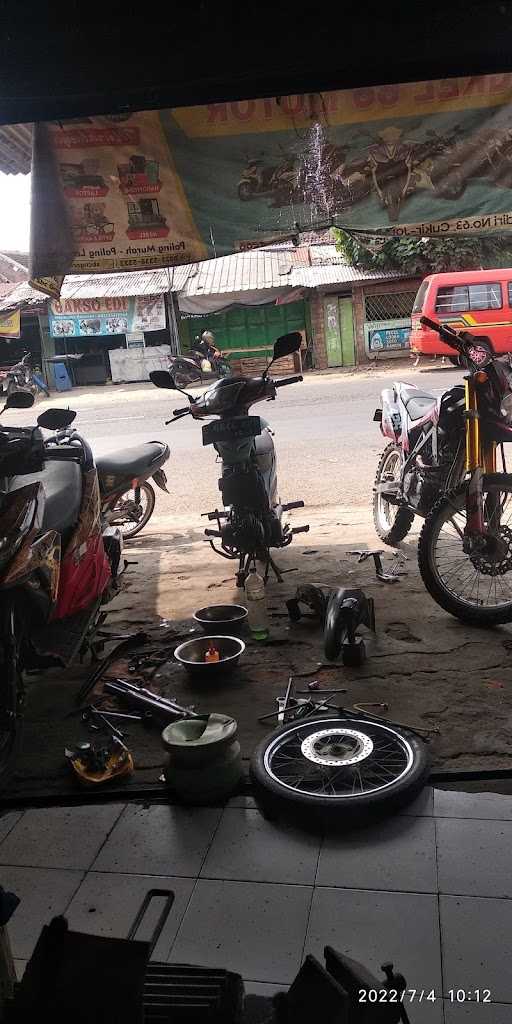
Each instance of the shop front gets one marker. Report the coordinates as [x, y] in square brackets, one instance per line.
[246, 334]
[119, 338]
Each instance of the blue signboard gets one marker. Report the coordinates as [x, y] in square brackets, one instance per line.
[389, 339]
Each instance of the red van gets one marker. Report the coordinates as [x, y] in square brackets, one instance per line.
[473, 300]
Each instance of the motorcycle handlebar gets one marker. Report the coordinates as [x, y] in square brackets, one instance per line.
[181, 412]
[288, 380]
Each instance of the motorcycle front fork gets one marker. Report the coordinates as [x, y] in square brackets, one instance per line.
[480, 460]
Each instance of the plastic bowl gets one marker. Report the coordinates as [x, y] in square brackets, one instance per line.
[223, 618]
[191, 655]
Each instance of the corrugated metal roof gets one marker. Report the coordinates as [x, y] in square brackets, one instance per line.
[15, 148]
[141, 282]
[322, 276]
[10, 270]
[244, 271]
[22, 295]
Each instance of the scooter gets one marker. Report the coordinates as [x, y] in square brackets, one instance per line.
[127, 497]
[187, 370]
[251, 522]
[59, 561]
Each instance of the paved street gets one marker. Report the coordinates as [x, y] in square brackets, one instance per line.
[326, 440]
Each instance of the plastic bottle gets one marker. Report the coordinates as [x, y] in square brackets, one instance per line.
[256, 605]
[212, 654]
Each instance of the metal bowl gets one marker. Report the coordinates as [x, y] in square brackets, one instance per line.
[191, 655]
[223, 618]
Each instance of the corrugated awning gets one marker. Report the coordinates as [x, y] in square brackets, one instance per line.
[15, 148]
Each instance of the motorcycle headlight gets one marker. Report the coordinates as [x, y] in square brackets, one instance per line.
[506, 408]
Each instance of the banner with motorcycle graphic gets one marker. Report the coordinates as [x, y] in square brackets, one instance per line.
[168, 187]
[83, 318]
[10, 324]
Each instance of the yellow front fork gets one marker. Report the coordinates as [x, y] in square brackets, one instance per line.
[478, 454]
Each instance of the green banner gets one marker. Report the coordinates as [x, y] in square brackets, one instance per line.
[162, 188]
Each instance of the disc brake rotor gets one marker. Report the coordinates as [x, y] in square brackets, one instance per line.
[500, 565]
[337, 747]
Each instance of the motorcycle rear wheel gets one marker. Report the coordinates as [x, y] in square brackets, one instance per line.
[123, 518]
[476, 589]
[338, 767]
[392, 522]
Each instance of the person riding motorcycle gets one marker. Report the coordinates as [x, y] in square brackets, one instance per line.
[206, 348]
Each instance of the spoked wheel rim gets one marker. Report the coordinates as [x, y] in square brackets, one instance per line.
[129, 515]
[338, 759]
[387, 512]
[481, 579]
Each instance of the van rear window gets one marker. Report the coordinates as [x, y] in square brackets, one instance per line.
[420, 297]
[461, 297]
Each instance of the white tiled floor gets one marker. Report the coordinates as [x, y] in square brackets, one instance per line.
[430, 886]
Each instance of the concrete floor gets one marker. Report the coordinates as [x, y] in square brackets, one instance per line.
[429, 889]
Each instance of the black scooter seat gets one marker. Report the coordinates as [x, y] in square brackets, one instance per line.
[133, 462]
[62, 482]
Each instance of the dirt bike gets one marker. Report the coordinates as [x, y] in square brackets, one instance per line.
[442, 464]
[251, 522]
[59, 560]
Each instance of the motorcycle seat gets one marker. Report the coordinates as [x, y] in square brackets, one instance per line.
[62, 482]
[133, 462]
[418, 403]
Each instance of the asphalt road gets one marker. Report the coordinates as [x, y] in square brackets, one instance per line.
[326, 440]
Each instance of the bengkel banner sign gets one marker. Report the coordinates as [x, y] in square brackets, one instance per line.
[81, 318]
[168, 187]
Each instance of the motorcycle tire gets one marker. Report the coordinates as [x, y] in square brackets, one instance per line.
[11, 689]
[390, 531]
[463, 608]
[147, 489]
[293, 769]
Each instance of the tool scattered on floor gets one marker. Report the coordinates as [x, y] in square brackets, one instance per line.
[370, 704]
[141, 697]
[283, 702]
[134, 640]
[312, 688]
[346, 611]
[395, 569]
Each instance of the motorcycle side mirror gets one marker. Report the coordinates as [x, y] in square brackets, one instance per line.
[19, 400]
[163, 379]
[284, 346]
[56, 419]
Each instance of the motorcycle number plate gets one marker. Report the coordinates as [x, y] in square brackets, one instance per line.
[231, 430]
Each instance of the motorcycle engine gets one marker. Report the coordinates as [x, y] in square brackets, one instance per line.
[244, 533]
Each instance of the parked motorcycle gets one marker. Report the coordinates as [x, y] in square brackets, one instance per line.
[465, 546]
[127, 497]
[251, 522]
[188, 370]
[21, 377]
[59, 561]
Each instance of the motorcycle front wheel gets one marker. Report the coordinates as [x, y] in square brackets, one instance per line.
[339, 767]
[392, 522]
[475, 587]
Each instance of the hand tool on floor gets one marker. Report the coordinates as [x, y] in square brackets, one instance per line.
[283, 702]
[135, 640]
[370, 704]
[96, 719]
[384, 577]
[142, 697]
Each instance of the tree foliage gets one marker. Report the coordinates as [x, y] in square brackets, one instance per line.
[421, 256]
